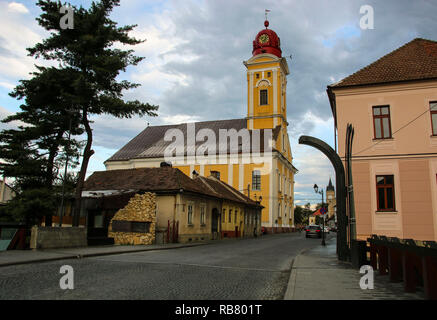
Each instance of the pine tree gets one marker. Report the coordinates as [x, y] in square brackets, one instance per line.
[88, 51]
[33, 153]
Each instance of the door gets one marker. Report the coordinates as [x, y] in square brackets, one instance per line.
[214, 223]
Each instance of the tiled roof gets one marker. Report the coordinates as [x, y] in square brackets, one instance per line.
[150, 142]
[143, 179]
[165, 179]
[416, 60]
[224, 190]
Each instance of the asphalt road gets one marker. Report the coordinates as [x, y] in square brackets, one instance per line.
[230, 269]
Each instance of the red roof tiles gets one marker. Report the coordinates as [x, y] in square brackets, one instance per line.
[416, 60]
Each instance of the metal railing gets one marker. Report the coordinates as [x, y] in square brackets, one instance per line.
[409, 261]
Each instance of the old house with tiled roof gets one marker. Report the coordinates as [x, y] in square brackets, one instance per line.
[392, 104]
[188, 207]
[262, 169]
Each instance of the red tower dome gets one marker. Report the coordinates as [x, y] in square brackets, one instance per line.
[267, 41]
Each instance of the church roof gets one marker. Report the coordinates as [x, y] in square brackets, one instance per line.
[416, 60]
[267, 41]
[150, 142]
[330, 187]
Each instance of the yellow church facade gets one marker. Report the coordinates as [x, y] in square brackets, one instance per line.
[269, 180]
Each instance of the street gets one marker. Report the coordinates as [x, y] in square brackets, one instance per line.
[230, 269]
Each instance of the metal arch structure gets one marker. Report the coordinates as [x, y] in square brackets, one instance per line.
[342, 246]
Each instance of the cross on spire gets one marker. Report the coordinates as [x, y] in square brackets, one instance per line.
[266, 12]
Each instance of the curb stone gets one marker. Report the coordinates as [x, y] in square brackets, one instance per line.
[89, 255]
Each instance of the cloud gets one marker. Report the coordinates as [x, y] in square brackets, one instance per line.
[194, 52]
[17, 7]
[19, 31]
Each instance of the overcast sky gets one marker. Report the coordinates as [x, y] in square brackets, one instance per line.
[194, 62]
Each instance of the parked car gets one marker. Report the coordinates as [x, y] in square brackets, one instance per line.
[313, 231]
[333, 229]
[326, 230]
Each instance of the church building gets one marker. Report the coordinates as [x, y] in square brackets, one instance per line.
[271, 182]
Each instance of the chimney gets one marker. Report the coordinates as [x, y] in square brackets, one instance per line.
[195, 174]
[215, 174]
[165, 164]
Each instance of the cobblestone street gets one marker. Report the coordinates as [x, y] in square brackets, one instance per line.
[232, 269]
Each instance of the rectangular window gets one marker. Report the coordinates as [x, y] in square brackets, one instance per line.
[236, 216]
[263, 98]
[279, 182]
[190, 213]
[230, 216]
[130, 226]
[202, 215]
[385, 193]
[224, 215]
[141, 227]
[256, 180]
[381, 122]
[433, 108]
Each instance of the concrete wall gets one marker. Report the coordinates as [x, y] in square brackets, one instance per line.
[55, 237]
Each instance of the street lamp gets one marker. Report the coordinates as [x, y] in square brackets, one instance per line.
[316, 189]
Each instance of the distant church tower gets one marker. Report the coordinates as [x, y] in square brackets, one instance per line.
[330, 199]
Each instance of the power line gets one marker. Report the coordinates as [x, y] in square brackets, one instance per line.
[394, 132]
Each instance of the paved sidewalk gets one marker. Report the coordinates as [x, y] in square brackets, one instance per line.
[316, 274]
[14, 257]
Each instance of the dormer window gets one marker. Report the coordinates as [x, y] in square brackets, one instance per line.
[263, 97]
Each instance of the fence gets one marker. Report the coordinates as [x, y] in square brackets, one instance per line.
[407, 260]
[172, 231]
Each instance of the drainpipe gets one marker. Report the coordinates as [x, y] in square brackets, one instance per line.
[2, 192]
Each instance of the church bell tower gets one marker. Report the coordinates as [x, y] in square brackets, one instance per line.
[267, 74]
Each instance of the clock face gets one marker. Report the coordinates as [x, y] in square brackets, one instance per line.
[263, 38]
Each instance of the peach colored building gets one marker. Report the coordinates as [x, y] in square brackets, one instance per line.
[392, 104]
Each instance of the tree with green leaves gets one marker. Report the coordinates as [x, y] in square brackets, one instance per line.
[89, 52]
